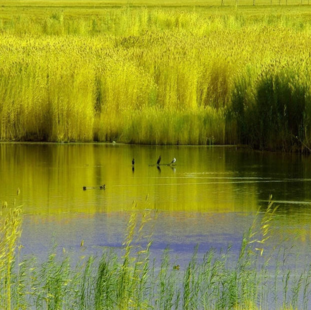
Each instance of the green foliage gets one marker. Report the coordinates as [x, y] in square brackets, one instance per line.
[10, 232]
[273, 114]
[130, 282]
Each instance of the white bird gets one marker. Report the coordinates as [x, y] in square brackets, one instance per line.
[173, 161]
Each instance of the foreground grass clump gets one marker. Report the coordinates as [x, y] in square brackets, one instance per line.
[10, 232]
[132, 281]
[159, 76]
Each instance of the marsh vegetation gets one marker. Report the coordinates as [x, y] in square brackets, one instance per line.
[152, 75]
[256, 279]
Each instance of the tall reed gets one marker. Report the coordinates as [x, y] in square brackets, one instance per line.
[10, 232]
[160, 76]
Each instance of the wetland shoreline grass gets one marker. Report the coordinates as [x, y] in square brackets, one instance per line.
[156, 76]
[133, 280]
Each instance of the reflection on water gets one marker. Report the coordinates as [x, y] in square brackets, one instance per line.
[209, 196]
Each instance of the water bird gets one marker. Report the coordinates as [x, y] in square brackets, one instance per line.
[173, 161]
[133, 161]
[94, 187]
[159, 160]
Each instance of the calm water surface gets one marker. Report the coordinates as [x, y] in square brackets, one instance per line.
[210, 197]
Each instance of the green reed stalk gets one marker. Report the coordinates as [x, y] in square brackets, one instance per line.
[10, 232]
[131, 282]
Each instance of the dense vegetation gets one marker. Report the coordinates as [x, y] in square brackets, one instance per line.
[156, 75]
[256, 279]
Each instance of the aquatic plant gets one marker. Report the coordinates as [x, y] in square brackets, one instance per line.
[156, 76]
[255, 279]
[10, 232]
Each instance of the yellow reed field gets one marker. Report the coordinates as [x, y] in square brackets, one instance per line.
[144, 75]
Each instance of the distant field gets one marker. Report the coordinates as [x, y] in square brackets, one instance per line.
[162, 3]
[43, 9]
[38, 8]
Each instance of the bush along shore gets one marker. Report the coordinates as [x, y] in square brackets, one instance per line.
[253, 279]
[157, 76]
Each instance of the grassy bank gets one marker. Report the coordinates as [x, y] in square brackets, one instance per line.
[156, 75]
[256, 279]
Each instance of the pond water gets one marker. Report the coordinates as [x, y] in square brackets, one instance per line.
[208, 198]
